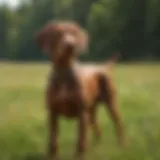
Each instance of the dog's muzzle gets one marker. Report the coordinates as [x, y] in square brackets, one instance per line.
[69, 41]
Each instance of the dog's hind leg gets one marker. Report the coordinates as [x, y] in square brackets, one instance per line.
[109, 97]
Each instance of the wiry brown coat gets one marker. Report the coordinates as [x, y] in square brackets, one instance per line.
[75, 89]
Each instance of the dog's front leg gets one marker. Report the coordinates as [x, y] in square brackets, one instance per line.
[53, 133]
[82, 132]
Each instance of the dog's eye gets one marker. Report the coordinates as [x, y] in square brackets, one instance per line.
[55, 37]
[56, 34]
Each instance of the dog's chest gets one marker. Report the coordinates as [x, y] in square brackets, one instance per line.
[66, 95]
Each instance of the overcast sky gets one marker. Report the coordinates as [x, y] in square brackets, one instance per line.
[10, 2]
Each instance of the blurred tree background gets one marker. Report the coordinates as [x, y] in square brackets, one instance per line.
[130, 27]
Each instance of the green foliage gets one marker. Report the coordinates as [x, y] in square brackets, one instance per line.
[4, 27]
[23, 121]
[130, 27]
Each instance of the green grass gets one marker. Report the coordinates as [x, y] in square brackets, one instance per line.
[23, 129]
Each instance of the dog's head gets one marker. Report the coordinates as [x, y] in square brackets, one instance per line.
[62, 41]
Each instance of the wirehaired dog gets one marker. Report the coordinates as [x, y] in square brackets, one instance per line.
[74, 89]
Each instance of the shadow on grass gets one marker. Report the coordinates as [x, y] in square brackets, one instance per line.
[31, 156]
[34, 157]
[40, 156]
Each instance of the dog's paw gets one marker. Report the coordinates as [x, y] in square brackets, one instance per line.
[124, 143]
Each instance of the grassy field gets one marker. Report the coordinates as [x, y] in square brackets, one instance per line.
[23, 123]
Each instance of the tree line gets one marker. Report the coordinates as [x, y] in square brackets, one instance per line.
[131, 27]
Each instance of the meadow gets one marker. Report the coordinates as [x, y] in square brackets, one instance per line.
[23, 127]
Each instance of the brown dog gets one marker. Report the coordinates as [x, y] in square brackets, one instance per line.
[74, 89]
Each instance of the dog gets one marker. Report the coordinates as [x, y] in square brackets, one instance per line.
[75, 89]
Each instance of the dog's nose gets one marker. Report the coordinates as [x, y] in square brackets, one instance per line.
[69, 40]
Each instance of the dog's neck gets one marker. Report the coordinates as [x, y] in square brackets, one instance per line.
[64, 70]
[65, 76]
